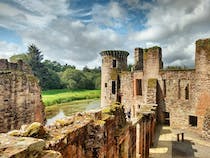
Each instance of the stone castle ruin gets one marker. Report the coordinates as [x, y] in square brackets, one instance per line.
[20, 96]
[133, 102]
[182, 97]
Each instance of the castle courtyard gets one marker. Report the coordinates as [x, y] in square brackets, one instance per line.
[167, 146]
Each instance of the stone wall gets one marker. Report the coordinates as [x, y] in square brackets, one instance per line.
[206, 125]
[97, 134]
[20, 96]
[175, 102]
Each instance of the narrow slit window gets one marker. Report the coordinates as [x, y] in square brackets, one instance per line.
[179, 90]
[114, 63]
[113, 87]
[193, 121]
[138, 87]
[105, 84]
[118, 82]
[187, 92]
[164, 87]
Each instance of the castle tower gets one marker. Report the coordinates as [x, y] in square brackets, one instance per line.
[202, 82]
[138, 59]
[113, 62]
[152, 62]
[202, 57]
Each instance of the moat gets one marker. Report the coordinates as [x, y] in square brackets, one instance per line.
[60, 111]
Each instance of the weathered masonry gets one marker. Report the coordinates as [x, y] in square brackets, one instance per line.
[20, 96]
[182, 96]
[144, 96]
[99, 134]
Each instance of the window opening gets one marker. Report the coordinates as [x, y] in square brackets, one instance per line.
[114, 63]
[138, 87]
[113, 87]
[193, 121]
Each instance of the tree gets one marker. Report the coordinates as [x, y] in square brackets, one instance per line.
[34, 57]
[74, 79]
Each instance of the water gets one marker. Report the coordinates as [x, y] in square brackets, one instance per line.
[67, 109]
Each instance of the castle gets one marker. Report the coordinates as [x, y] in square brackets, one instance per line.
[148, 95]
[182, 97]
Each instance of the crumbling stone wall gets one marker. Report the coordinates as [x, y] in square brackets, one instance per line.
[206, 125]
[20, 96]
[97, 134]
[175, 101]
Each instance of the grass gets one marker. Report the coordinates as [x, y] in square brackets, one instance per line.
[52, 97]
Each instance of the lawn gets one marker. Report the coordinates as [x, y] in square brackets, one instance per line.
[52, 97]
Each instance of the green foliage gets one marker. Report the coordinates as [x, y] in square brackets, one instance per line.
[176, 67]
[53, 75]
[51, 97]
[17, 57]
[129, 67]
[152, 83]
[57, 67]
[77, 79]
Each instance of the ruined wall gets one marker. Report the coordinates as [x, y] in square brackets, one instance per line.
[20, 96]
[202, 95]
[152, 62]
[206, 125]
[86, 135]
[126, 91]
[175, 101]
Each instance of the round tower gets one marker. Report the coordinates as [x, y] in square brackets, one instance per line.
[113, 62]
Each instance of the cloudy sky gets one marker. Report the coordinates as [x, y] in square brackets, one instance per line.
[75, 31]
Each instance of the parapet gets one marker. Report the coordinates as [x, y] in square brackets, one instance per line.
[115, 53]
[19, 66]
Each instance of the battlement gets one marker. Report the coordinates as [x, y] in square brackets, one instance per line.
[115, 53]
[19, 66]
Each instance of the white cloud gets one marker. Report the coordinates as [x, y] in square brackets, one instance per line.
[72, 41]
[9, 49]
[176, 25]
[111, 14]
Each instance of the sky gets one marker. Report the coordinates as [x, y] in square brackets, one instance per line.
[74, 32]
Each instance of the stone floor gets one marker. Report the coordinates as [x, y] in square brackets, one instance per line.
[167, 146]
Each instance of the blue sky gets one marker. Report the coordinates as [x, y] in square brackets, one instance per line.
[75, 31]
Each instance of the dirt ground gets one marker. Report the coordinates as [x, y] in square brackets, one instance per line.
[167, 146]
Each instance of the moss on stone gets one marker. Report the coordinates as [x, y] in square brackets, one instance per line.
[155, 47]
[152, 83]
[112, 108]
[100, 122]
[114, 74]
[32, 79]
[145, 54]
[205, 45]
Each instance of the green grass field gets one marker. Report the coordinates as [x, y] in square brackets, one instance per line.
[52, 97]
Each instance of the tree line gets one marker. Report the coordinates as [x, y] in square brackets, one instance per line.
[53, 75]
